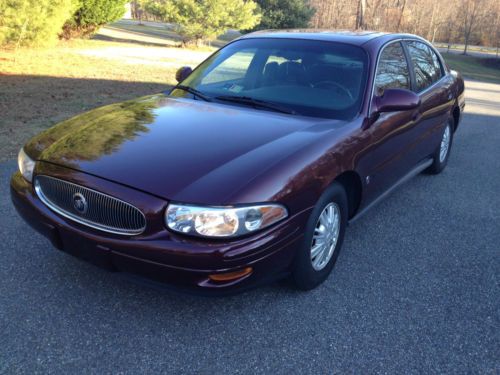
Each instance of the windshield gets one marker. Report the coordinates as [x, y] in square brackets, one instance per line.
[306, 77]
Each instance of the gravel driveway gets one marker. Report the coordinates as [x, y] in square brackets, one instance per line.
[415, 290]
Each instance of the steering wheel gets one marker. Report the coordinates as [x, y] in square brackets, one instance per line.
[332, 84]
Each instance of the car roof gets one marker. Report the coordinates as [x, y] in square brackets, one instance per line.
[342, 36]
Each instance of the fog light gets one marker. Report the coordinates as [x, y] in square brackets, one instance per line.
[230, 276]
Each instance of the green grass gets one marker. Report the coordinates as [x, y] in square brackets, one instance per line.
[476, 68]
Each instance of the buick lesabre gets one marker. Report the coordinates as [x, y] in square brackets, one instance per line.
[250, 168]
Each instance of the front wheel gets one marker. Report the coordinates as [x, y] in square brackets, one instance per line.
[323, 239]
[442, 153]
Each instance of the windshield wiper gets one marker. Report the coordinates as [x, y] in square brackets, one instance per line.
[194, 92]
[255, 103]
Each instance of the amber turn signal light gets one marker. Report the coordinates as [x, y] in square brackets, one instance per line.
[230, 276]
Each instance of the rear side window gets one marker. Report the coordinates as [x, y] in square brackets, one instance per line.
[392, 70]
[426, 64]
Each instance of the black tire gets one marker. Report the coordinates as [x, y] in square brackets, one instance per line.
[305, 277]
[438, 165]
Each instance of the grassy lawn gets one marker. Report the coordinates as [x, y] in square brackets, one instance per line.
[39, 88]
[476, 68]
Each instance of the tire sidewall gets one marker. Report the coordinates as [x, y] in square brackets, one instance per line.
[445, 161]
[438, 166]
[304, 275]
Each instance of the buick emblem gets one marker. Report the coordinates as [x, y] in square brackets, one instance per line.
[80, 203]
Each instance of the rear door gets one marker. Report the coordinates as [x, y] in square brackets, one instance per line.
[433, 84]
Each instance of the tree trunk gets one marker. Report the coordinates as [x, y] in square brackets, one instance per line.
[434, 35]
[431, 25]
[466, 42]
[400, 19]
[360, 14]
[358, 11]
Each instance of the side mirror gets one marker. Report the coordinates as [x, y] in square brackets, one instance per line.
[395, 100]
[183, 73]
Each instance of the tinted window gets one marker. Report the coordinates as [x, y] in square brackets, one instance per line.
[392, 70]
[312, 78]
[426, 64]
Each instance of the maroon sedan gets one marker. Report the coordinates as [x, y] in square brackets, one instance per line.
[251, 168]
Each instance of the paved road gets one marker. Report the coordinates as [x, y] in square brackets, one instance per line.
[416, 290]
[485, 54]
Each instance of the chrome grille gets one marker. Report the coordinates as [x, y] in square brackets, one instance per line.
[90, 207]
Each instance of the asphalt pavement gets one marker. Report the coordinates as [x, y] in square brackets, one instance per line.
[415, 290]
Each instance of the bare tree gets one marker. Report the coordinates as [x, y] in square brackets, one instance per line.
[442, 18]
[450, 21]
[470, 14]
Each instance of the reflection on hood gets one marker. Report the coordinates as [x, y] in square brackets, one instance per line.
[92, 134]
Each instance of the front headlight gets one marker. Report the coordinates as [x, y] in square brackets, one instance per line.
[222, 221]
[26, 165]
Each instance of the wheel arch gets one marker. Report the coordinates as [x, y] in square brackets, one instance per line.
[351, 182]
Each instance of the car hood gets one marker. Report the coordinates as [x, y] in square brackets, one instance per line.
[175, 148]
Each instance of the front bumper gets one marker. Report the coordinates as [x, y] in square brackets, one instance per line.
[163, 256]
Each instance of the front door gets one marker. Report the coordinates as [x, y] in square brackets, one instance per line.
[390, 134]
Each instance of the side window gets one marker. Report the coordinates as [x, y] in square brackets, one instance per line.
[426, 63]
[392, 70]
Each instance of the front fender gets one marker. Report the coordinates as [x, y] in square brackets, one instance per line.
[300, 179]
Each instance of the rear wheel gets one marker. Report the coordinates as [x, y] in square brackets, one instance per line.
[442, 153]
[323, 239]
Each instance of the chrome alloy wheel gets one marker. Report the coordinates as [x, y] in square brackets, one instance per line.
[445, 144]
[326, 235]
